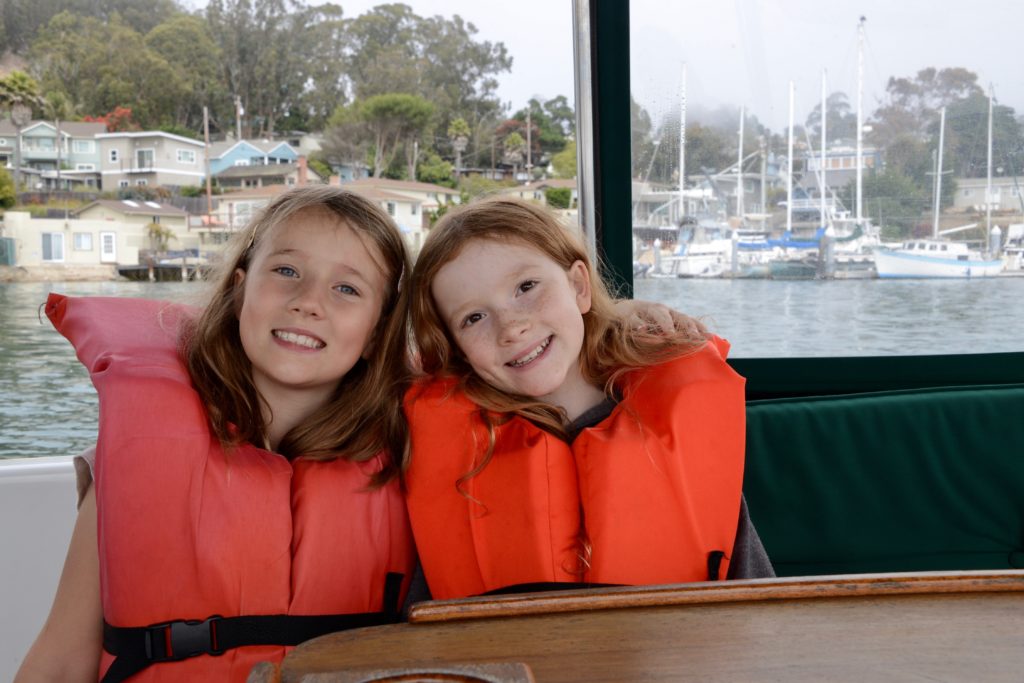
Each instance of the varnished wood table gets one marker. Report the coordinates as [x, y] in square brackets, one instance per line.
[892, 627]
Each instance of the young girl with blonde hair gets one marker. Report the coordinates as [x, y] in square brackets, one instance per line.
[244, 495]
[553, 443]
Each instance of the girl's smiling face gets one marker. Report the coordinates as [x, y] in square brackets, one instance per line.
[517, 316]
[310, 301]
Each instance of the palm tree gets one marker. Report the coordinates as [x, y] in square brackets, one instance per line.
[19, 94]
[458, 133]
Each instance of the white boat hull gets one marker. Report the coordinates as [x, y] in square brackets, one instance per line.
[897, 264]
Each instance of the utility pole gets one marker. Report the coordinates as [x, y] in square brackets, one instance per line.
[529, 143]
[206, 154]
[238, 117]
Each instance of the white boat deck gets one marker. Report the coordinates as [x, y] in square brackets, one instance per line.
[37, 514]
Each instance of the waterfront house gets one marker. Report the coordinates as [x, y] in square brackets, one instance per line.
[136, 216]
[1007, 194]
[233, 153]
[103, 233]
[150, 158]
[77, 149]
[840, 166]
[536, 190]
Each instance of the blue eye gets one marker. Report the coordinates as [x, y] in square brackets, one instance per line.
[287, 271]
[347, 289]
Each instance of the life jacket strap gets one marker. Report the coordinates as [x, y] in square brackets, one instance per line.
[715, 558]
[137, 647]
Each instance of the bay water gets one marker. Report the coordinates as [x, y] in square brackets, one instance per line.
[48, 405]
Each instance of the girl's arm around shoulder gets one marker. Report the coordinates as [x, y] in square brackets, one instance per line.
[69, 644]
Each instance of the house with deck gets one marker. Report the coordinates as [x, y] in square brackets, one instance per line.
[47, 147]
[262, 175]
[151, 158]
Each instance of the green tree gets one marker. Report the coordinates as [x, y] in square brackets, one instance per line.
[264, 57]
[160, 236]
[558, 197]
[967, 137]
[18, 89]
[911, 105]
[321, 166]
[893, 201]
[392, 50]
[347, 138]
[20, 20]
[186, 44]
[103, 65]
[433, 169]
[840, 121]
[458, 135]
[644, 148]
[325, 43]
[548, 134]
[392, 119]
[565, 161]
[7, 195]
[515, 150]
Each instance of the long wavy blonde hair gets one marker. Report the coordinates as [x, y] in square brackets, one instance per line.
[611, 345]
[363, 416]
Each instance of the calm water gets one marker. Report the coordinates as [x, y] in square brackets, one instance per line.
[49, 406]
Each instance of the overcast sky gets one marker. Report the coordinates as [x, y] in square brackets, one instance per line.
[747, 51]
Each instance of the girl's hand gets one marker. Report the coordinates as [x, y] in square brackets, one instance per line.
[656, 318]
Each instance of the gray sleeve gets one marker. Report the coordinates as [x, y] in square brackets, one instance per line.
[84, 464]
[749, 559]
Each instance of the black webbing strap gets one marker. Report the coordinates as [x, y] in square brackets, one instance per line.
[135, 648]
[715, 558]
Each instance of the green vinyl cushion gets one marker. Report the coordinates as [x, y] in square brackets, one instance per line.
[901, 480]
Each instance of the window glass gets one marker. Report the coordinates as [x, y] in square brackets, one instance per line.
[789, 265]
[83, 241]
[53, 246]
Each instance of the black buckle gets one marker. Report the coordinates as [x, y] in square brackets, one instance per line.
[188, 638]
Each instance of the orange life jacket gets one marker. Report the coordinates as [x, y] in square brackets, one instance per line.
[656, 485]
[188, 530]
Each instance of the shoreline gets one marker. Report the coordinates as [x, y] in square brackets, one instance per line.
[60, 273]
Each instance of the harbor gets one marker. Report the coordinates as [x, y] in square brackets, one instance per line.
[50, 405]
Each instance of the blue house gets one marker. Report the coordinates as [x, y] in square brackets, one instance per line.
[230, 153]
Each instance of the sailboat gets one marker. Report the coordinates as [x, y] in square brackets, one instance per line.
[935, 257]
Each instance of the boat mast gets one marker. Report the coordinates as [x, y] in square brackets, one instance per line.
[789, 164]
[860, 118]
[821, 189]
[988, 183]
[739, 171]
[938, 174]
[682, 148]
